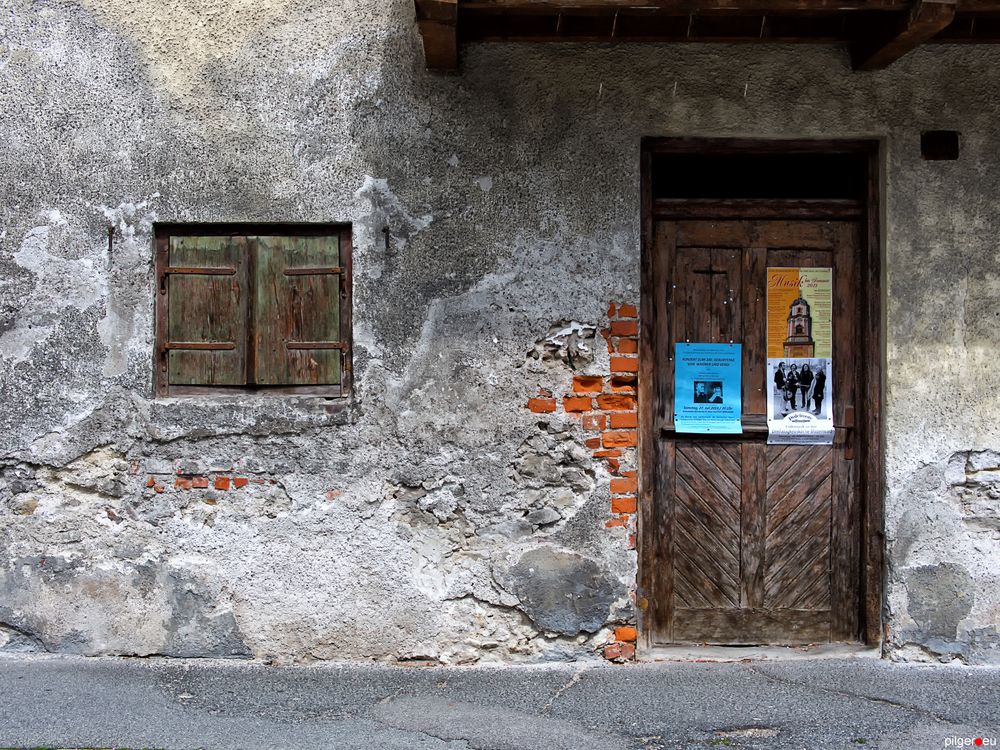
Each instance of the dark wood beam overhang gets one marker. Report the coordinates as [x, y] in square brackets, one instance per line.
[877, 32]
[438, 22]
[926, 19]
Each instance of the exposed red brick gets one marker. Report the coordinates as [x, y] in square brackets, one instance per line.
[624, 364]
[577, 403]
[627, 311]
[613, 651]
[628, 346]
[632, 473]
[623, 439]
[592, 442]
[631, 541]
[625, 633]
[611, 310]
[588, 383]
[616, 402]
[623, 504]
[544, 392]
[182, 483]
[200, 483]
[222, 483]
[150, 482]
[158, 488]
[239, 482]
[542, 405]
[608, 454]
[594, 422]
[613, 465]
[624, 419]
[628, 651]
[623, 486]
[624, 383]
[624, 328]
[618, 521]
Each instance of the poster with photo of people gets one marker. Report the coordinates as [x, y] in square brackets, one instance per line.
[799, 408]
[799, 356]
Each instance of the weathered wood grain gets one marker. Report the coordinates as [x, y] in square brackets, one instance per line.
[297, 304]
[206, 311]
[752, 525]
[742, 627]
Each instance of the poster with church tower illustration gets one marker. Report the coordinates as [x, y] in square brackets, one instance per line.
[799, 356]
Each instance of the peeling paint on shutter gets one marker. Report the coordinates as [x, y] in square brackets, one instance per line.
[297, 311]
[205, 282]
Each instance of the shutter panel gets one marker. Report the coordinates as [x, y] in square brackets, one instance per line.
[297, 311]
[205, 280]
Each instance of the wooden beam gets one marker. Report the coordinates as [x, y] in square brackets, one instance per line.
[926, 19]
[710, 6]
[438, 23]
[684, 6]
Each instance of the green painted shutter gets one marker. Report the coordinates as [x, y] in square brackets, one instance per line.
[297, 311]
[205, 281]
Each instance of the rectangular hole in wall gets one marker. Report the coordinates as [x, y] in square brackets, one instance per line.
[939, 145]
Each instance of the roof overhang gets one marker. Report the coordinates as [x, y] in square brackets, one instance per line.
[877, 32]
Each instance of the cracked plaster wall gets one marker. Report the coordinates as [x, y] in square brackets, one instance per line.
[402, 527]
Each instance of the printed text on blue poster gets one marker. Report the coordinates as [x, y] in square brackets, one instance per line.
[708, 385]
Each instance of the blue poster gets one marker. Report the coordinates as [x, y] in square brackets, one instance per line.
[708, 388]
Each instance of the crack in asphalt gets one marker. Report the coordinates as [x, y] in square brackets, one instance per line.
[573, 680]
[425, 733]
[926, 713]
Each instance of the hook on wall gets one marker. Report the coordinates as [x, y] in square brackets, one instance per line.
[111, 243]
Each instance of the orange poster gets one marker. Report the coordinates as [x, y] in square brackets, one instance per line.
[799, 313]
[799, 356]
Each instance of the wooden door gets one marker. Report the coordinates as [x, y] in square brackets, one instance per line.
[751, 543]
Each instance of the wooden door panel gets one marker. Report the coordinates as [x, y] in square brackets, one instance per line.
[845, 537]
[797, 546]
[793, 235]
[707, 526]
[707, 295]
[759, 543]
[747, 627]
[754, 310]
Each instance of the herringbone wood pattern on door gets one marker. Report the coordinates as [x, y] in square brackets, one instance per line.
[707, 526]
[797, 546]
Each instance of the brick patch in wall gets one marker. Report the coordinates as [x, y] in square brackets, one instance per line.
[220, 482]
[542, 405]
[607, 408]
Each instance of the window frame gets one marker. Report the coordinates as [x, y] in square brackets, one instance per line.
[162, 234]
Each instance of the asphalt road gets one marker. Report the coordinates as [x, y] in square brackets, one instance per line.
[182, 705]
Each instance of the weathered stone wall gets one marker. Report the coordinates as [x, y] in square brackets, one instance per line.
[415, 524]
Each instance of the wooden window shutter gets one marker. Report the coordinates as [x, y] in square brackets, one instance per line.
[203, 309]
[300, 288]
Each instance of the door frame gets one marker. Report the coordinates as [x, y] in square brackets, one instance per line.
[868, 213]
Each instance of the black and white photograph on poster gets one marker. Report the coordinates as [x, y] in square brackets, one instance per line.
[708, 392]
[799, 406]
